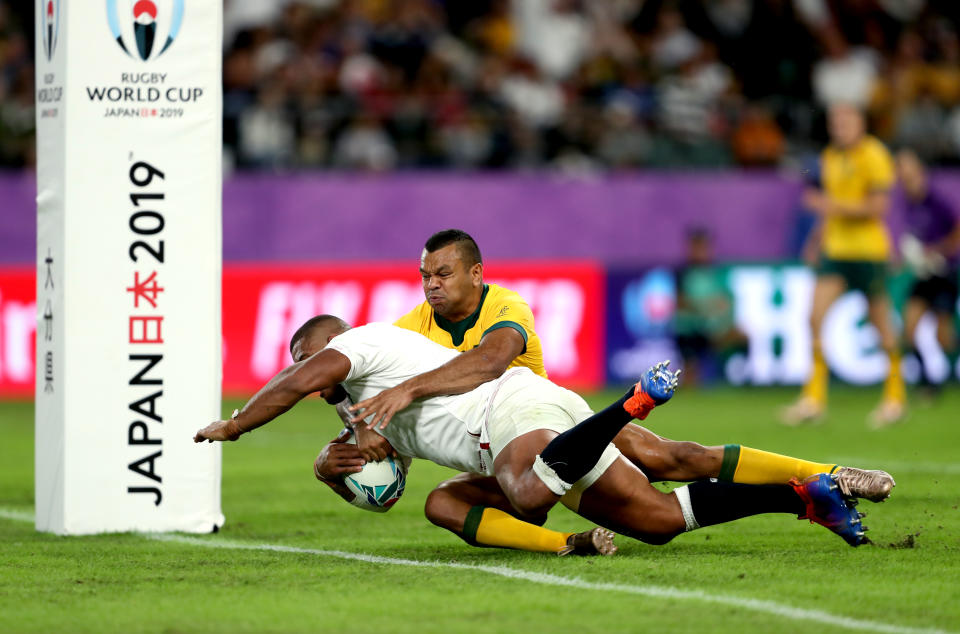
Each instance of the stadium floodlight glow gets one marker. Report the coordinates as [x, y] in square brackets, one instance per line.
[128, 265]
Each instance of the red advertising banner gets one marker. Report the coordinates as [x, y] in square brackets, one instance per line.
[18, 326]
[263, 304]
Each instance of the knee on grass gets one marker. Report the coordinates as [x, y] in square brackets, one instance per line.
[443, 509]
[656, 529]
[653, 521]
[531, 497]
[532, 505]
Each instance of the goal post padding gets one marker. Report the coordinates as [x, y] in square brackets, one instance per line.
[128, 265]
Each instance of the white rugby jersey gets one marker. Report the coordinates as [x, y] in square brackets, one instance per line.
[443, 429]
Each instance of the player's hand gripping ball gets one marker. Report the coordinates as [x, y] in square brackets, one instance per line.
[379, 485]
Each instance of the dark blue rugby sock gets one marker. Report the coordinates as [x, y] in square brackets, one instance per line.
[574, 452]
[709, 502]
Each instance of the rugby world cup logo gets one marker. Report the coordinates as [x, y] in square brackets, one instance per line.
[50, 12]
[145, 28]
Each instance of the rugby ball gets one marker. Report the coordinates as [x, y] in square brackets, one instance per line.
[379, 485]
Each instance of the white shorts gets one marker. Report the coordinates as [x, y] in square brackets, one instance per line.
[525, 402]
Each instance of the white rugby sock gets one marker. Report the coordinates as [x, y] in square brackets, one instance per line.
[683, 496]
[549, 477]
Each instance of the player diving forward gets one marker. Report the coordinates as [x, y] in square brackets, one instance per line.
[494, 329]
[537, 439]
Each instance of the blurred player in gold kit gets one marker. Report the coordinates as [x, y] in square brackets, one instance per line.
[857, 174]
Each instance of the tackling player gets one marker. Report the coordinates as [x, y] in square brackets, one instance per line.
[540, 441]
[854, 246]
[494, 328]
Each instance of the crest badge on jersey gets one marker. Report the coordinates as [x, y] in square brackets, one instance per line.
[50, 12]
[145, 29]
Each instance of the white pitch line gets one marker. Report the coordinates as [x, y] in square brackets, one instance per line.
[17, 516]
[656, 592]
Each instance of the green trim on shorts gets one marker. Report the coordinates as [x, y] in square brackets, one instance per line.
[472, 524]
[731, 458]
[867, 276]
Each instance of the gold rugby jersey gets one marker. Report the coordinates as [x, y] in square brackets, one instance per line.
[499, 308]
[849, 176]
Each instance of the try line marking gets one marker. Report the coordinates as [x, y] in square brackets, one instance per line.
[656, 592]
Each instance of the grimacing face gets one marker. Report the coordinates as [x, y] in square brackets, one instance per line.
[451, 287]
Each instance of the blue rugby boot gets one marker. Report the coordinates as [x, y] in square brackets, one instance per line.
[827, 506]
[655, 387]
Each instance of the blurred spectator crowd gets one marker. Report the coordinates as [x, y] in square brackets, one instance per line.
[571, 85]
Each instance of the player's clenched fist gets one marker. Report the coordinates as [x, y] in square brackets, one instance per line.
[338, 459]
[220, 430]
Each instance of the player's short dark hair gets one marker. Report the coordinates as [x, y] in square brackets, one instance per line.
[468, 248]
[315, 322]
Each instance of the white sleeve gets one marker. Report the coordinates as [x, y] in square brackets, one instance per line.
[361, 346]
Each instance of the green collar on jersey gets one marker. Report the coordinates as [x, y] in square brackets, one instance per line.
[458, 329]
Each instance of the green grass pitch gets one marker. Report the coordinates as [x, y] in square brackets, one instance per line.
[769, 573]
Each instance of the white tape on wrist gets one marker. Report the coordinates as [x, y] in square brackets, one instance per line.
[549, 477]
[683, 496]
[344, 413]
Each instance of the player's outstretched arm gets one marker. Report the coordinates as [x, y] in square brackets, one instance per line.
[321, 373]
[463, 373]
